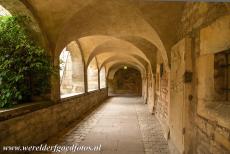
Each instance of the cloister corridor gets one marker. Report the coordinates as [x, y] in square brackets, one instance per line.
[121, 125]
[115, 76]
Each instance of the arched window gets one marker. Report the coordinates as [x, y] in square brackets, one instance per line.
[102, 78]
[92, 75]
[71, 71]
[4, 12]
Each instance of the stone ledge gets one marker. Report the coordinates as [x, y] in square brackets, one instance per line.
[72, 97]
[22, 109]
[213, 131]
[35, 127]
[217, 112]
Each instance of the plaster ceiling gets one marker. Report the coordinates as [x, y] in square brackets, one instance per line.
[132, 29]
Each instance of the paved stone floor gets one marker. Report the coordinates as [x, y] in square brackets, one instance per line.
[122, 125]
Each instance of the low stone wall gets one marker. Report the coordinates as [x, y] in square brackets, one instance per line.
[162, 104]
[210, 137]
[35, 127]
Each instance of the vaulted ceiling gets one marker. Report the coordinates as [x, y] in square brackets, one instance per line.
[113, 31]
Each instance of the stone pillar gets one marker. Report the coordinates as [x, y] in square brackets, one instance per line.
[144, 87]
[85, 79]
[147, 87]
[55, 82]
[99, 79]
[85, 67]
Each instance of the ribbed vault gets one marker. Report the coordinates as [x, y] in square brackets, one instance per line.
[116, 63]
[113, 69]
[145, 24]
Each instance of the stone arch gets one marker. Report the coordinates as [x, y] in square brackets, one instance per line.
[102, 77]
[4, 12]
[72, 71]
[101, 23]
[100, 44]
[112, 49]
[92, 75]
[114, 64]
[116, 67]
[126, 80]
[15, 7]
[126, 58]
[116, 46]
[149, 49]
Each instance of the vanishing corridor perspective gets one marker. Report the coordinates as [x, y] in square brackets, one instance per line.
[134, 76]
[121, 125]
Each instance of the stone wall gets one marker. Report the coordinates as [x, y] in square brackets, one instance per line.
[162, 95]
[162, 105]
[197, 15]
[210, 137]
[35, 127]
[150, 93]
[205, 126]
[212, 120]
[126, 81]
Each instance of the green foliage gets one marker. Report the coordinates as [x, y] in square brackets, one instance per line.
[24, 67]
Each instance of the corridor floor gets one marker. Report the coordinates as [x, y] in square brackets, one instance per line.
[122, 125]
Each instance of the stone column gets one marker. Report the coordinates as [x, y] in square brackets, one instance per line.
[99, 79]
[85, 67]
[55, 82]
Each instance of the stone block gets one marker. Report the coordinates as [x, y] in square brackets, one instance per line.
[35, 127]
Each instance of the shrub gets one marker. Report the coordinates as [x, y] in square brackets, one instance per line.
[25, 69]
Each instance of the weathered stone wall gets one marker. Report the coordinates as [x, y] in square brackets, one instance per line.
[212, 120]
[126, 81]
[144, 91]
[35, 127]
[162, 95]
[150, 91]
[200, 14]
[162, 100]
[206, 120]
[180, 92]
[210, 137]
